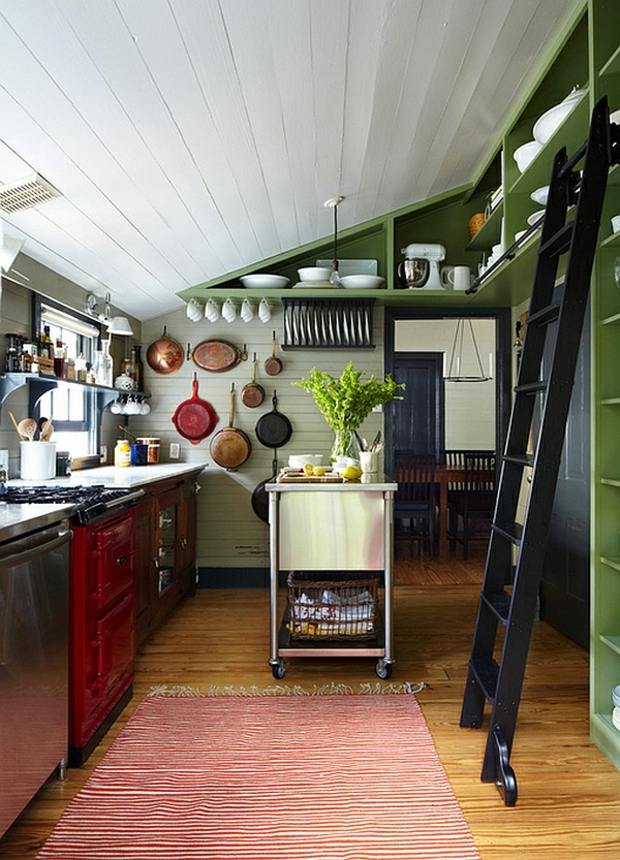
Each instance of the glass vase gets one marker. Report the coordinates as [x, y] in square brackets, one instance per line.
[343, 446]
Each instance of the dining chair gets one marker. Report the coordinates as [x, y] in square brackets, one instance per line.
[471, 504]
[415, 505]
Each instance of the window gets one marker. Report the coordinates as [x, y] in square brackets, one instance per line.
[72, 408]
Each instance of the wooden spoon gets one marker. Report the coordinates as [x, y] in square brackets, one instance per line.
[46, 431]
[15, 424]
[28, 428]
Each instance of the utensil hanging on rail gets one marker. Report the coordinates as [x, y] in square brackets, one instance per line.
[273, 365]
[273, 429]
[218, 356]
[231, 447]
[195, 418]
[253, 394]
[165, 355]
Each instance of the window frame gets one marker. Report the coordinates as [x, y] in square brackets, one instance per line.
[91, 423]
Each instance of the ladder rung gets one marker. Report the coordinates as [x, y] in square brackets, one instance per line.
[544, 315]
[519, 459]
[531, 388]
[559, 243]
[513, 532]
[485, 672]
[499, 604]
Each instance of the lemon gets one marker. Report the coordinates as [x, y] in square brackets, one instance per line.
[351, 473]
[319, 471]
[308, 469]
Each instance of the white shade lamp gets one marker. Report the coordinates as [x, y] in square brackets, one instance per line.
[119, 325]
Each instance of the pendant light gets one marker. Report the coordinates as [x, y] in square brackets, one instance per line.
[333, 203]
[457, 355]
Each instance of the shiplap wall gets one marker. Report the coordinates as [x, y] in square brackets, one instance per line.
[229, 533]
[469, 406]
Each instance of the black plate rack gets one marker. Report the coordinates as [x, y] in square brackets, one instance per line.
[328, 323]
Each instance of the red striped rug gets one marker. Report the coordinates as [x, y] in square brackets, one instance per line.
[329, 777]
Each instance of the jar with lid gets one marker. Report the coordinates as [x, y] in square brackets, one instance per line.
[153, 448]
[122, 453]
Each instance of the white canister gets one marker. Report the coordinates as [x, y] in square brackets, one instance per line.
[369, 462]
[37, 461]
[461, 278]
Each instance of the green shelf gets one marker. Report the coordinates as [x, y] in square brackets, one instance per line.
[612, 642]
[611, 482]
[614, 319]
[612, 66]
[611, 241]
[611, 401]
[571, 134]
[613, 562]
[490, 232]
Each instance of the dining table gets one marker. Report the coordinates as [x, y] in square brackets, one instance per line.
[444, 477]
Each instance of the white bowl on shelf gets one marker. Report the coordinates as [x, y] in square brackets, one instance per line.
[547, 125]
[314, 273]
[519, 234]
[362, 282]
[264, 282]
[298, 461]
[535, 216]
[541, 195]
[526, 154]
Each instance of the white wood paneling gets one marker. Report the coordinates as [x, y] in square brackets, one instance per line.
[190, 137]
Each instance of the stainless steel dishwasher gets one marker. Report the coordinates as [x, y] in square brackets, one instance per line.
[34, 574]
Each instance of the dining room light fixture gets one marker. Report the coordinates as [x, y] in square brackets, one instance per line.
[333, 203]
[458, 355]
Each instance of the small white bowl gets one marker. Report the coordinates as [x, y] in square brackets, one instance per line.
[519, 234]
[314, 273]
[526, 154]
[535, 216]
[615, 224]
[362, 282]
[546, 126]
[298, 461]
[541, 195]
[264, 282]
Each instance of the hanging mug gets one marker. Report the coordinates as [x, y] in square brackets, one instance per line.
[194, 310]
[229, 311]
[212, 310]
[447, 277]
[247, 311]
[264, 311]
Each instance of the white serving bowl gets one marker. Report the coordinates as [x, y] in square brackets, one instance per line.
[533, 218]
[526, 154]
[546, 126]
[298, 461]
[314, 273]
[264, 282]
[362, 282]
[519, 234]
[541, 195]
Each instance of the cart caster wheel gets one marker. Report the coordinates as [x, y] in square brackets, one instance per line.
[279, 670]
[383, 670]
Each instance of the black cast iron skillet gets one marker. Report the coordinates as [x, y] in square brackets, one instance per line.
[273, 429]
[260, 496]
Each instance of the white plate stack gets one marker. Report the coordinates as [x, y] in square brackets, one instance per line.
[615, 717]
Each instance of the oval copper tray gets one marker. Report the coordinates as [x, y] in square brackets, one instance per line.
[216, 356]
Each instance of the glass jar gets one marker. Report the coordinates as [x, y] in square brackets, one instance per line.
[104, 369]
[153, 448]
[122, 453]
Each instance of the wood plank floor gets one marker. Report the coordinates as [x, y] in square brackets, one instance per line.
[569, 804]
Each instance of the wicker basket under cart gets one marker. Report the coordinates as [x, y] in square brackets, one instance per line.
[335, 609]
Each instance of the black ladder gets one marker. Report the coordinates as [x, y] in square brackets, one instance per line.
[500, 682]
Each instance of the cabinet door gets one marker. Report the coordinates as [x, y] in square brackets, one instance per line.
[187, 537]
[166, 544]
[145, 568]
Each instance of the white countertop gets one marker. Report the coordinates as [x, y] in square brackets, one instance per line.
[373, 483]
[16, 520]
[128, 477]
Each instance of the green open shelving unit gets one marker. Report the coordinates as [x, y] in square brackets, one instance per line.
[586, 54]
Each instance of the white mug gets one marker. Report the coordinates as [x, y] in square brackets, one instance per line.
[194, 310]
[615, 223]
[447, 277]
[264, 311]
[212, 310]
[247, 311]
[229, 311]
[462, 278]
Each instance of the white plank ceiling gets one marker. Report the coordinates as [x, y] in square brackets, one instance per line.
[190, 137]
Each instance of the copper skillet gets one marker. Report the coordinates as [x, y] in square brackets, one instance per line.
[253, 394]
[230, 448]
[165, 355]
[273, 365]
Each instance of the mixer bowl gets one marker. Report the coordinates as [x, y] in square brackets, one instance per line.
[414, 273]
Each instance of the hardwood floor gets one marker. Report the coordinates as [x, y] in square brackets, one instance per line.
[569, 805]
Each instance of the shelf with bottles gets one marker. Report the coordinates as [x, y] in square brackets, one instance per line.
[10, 382]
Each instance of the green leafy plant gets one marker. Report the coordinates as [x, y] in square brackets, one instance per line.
[345, 402]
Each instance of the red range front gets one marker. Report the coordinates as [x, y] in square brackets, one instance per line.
[102, 610]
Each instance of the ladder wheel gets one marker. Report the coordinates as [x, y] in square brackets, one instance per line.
[383, 670]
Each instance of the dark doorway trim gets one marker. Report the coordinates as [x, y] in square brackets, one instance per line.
[503, 363]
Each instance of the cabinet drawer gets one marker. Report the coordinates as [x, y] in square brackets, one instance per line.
[115, 559]
[115, 646]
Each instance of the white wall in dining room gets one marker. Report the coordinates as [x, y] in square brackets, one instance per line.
[469, 406]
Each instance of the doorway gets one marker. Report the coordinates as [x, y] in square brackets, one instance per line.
[419, 419]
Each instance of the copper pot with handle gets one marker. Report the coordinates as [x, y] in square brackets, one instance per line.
[165, 355]
[231, 447]
[253, 394]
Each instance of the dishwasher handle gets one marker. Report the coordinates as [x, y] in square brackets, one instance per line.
[24, 550]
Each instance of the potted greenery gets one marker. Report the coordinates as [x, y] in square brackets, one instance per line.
[345, 402]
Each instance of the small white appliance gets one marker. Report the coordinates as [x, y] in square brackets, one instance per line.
[420, 268]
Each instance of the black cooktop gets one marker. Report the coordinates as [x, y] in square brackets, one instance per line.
[90, 501]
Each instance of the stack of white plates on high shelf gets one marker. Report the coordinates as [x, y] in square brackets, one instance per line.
[615, 717]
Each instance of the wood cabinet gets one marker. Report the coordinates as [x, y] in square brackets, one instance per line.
[165, 551]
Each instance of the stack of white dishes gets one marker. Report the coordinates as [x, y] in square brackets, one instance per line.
[264, 282]
[615, 717]
[544, 129]
[314, 278]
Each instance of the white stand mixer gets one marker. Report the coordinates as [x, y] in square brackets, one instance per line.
[420, 268]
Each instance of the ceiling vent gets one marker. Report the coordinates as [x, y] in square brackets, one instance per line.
[26, 194]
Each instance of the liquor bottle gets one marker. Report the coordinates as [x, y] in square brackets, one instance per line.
[138, 367]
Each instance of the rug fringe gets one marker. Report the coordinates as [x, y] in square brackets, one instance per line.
[331, 689]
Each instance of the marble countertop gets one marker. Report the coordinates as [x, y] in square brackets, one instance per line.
[372, 483]
[17, 520]
[125, 478]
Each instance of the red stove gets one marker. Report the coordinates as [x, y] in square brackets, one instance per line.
[102, 610]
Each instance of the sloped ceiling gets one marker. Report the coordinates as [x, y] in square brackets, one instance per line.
[191, 137]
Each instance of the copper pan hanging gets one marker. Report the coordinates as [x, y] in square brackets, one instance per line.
[165, 355]
[218, 356]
